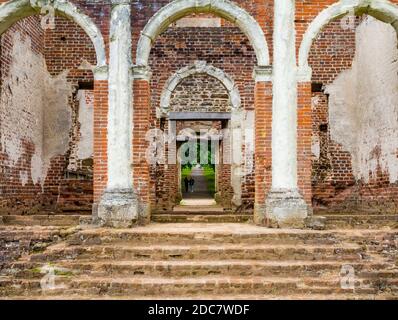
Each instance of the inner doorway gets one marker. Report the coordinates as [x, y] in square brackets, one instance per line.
[201, 170]
[198, 178]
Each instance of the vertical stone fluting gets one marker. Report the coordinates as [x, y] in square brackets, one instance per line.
[120, 206]
[285, 206]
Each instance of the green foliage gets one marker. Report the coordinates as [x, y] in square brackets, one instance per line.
[210, 175]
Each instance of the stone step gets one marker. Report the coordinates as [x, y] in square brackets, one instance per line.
[16, 241]
[200, 297]
[11, 233]
[211, 285]
[200, 218]
[340, 221]
[200, 268]
[42, 220]
[212, 252]
[227, 233]
[201, 212]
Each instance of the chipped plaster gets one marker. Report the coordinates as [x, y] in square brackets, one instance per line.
[362, 103]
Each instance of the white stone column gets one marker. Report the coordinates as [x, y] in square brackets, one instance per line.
[285, 206]
[119, 206]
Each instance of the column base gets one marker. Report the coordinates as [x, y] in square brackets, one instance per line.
[284, 208]
[120, 209]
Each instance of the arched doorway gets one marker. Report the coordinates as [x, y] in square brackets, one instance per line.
[235, 18]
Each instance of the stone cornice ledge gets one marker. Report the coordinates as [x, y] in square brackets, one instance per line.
[304, 74]
[141, 73]
[120, 2]
[101, 72]
[262, 73]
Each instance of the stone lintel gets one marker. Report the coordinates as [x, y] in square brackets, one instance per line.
[216, 137]
[120, 2]
[200, 116]
[120, 208]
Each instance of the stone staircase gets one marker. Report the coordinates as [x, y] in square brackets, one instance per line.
[208, 261]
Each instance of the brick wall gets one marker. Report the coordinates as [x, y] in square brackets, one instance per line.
[225, 48]
[334, 186]
[200, 93]
[325, 170]
[64, 49]
[16, 192]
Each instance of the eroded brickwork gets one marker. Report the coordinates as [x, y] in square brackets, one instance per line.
[47, 172]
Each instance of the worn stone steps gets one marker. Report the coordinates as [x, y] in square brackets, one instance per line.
[191, 259]
[358, 221]
[235, 297]
[194, 268]
[225, 234]
[264, 252]
[16, 241]
[170, 287]
[200, 218]
[42, 220]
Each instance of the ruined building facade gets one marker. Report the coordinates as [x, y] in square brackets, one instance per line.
[308, 91]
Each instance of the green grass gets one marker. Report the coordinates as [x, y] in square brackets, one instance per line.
[185, 172]
[210, 176]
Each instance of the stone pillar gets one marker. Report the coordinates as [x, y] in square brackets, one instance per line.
[119, 206]
[285, 207]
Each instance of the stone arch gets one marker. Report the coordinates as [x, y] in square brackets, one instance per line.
[380, 9]
[177, 9]
[199, 67]
[14, 10]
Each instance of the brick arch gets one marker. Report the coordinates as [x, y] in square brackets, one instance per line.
[14, 10]
[177, 9]
[199, 67]
[380, 9]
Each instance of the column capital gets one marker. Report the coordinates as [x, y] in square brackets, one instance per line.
[120, 2]
[141, 73]
[304, 74]
[101, 72]
[262, 73]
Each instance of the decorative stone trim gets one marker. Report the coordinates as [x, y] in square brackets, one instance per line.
[262, 74]
[101, 73]
[199, 67]
[12, 11]
[120, 2]
[141, 73]
[383, 10]
[304, 74]
[180, 8]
